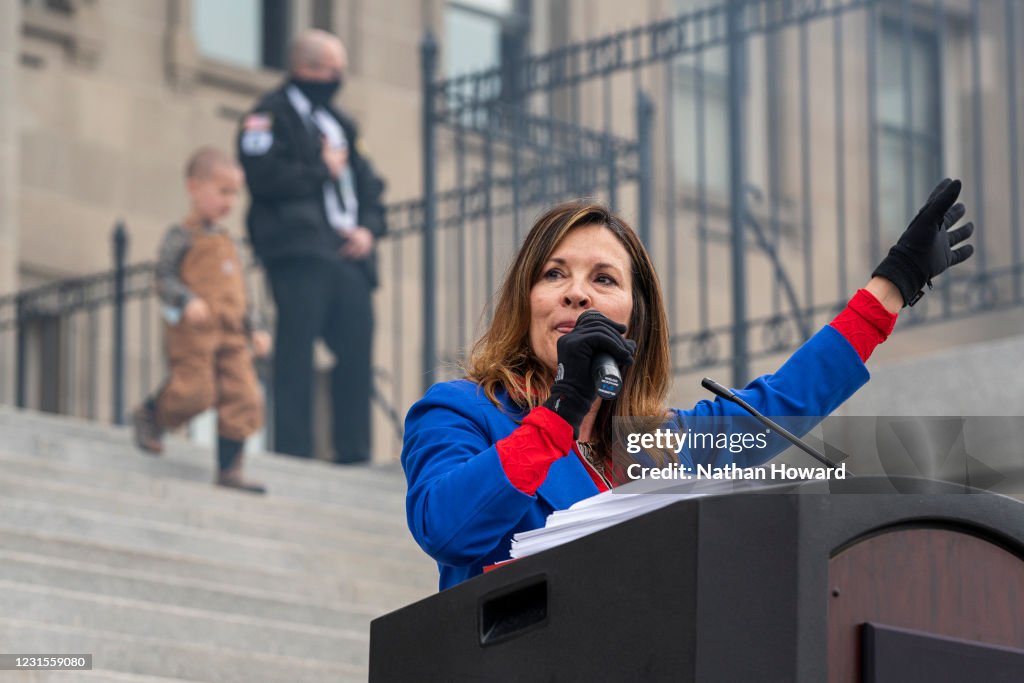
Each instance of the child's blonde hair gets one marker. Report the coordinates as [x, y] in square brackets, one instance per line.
[204, 160]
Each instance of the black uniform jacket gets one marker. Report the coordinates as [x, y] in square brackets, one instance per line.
[285, 174]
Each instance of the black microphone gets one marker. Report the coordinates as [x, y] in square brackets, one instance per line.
[720, 391]
[607, 377]
[603, 368]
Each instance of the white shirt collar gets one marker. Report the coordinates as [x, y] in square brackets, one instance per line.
[300, 102]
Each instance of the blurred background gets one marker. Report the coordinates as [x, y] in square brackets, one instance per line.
[769, 152]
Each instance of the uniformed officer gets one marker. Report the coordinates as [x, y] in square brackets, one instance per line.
[316, 213]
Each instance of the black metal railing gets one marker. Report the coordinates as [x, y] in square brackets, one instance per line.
[761, 147]
[91, 346]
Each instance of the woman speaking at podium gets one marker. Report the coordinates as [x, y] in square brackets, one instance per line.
[526, 433]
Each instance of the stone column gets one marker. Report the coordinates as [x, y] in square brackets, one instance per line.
[10, 47]
[181, 56]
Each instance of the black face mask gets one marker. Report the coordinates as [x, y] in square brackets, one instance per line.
[318, 92]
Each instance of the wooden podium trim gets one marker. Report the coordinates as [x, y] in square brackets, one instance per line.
[935, 579]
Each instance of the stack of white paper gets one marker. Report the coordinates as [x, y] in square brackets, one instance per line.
[612, 507]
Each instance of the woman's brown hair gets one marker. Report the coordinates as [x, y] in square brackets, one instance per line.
[503, 359]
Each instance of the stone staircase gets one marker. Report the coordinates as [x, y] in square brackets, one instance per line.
[141, 562]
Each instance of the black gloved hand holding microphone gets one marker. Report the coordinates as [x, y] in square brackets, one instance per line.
[575, 389]
[925, 248]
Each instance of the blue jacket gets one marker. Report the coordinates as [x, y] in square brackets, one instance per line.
[462, 509]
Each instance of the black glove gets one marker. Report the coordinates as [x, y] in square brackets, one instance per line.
[574, 390]
[925, 248]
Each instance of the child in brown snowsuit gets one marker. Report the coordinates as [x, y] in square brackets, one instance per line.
[209, 327]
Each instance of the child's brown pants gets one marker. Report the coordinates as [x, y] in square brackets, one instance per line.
[210, 366]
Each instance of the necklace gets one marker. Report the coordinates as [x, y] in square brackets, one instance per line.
[587, 451]
[595, 461]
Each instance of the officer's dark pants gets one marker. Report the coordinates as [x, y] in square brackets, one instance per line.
[328, 299]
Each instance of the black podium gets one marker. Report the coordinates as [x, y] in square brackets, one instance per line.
[926, 585]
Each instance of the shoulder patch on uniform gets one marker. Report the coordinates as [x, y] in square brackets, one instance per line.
[257, 133]
[257, 142]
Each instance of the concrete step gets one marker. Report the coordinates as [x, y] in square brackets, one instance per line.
[214, 515]
[191, 495]
[209, 544]
[183, 625]
[143, 655]
[41, 572]
[165, 578]
[387, 476]
[93, 676]
[320, 483]
[214, 575]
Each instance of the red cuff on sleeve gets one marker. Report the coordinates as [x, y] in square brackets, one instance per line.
[527, 453]
[865, 323]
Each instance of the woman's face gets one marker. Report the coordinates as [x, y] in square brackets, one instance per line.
[590, 268]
